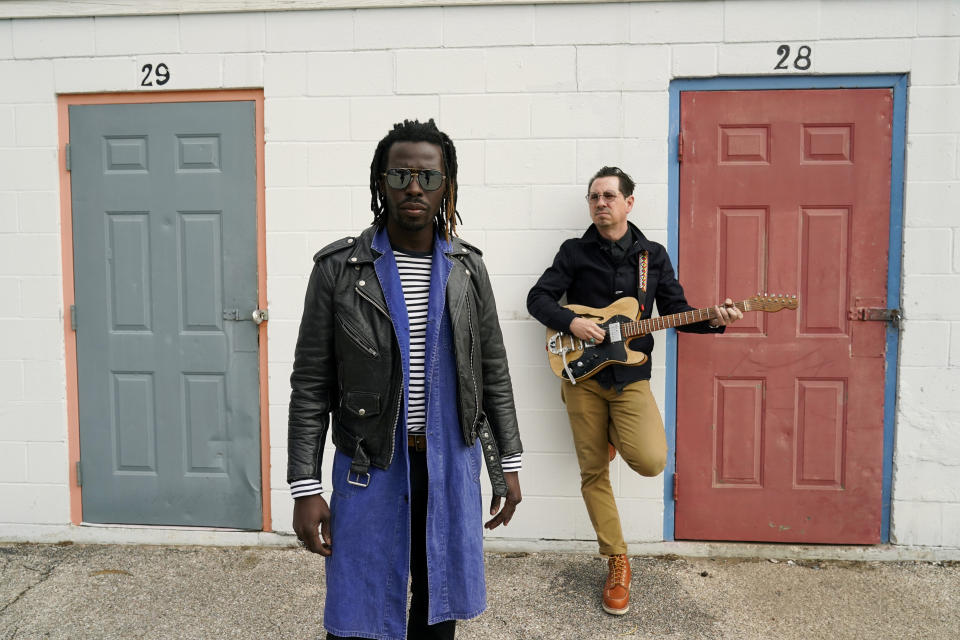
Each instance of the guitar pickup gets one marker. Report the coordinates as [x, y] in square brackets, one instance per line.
[613, 332]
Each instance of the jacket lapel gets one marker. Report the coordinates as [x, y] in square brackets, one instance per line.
[457, 281]
[365, 257]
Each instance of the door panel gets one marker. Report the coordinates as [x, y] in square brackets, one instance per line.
[780, 420]
[164, 216]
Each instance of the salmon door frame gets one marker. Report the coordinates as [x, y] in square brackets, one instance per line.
[898, 84]
[64, 102]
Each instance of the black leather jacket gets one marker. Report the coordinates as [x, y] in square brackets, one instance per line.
[347, 364]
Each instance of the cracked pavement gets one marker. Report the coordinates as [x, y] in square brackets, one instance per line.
[160, 592]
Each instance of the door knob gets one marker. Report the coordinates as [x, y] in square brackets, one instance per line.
[258, 316]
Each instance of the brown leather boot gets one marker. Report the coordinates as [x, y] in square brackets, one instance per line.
[616, 591]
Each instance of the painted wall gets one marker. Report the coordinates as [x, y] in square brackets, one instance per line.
[536, 98]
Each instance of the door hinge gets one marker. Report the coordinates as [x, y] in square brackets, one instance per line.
[877, 314]
[66, 156]
[73, 317]
[679, 147]
[676, 478]
[79, 475]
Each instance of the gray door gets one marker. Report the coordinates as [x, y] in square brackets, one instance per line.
[165, 268]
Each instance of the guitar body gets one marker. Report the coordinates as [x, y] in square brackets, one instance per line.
[583, 359]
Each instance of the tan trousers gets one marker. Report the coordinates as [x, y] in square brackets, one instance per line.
[632, 422]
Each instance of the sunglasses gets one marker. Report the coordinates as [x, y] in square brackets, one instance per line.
[429, 179]
[606, 196]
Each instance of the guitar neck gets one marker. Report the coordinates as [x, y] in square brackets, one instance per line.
[649, 325]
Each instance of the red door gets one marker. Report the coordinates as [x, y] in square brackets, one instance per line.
[780, 421]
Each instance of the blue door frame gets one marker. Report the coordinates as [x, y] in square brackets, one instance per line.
[899, 85]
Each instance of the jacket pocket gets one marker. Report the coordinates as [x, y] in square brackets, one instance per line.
[363, 404]
[357, 337]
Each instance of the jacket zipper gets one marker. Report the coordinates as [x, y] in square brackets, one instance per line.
[460, 304]
[476, 395]
[396, 417]
[366, 297]
[357, 336]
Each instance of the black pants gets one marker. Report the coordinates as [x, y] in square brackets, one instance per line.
[417, 627]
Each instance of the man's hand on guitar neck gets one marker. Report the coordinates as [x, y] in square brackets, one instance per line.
[727, 314]
[586, 329]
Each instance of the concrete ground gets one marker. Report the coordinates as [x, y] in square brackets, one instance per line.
[82, 591]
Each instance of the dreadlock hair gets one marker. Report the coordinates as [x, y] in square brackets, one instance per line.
[626, 182]
[416, 131]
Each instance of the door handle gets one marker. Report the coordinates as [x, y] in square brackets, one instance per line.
[258, 316]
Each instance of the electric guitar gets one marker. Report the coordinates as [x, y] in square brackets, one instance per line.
[574, 359]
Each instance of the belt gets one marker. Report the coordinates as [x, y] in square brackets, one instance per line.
[417, 441]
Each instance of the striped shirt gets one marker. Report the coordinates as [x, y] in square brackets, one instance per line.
[414, 270]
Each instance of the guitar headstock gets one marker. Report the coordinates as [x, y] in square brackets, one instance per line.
[771, 302]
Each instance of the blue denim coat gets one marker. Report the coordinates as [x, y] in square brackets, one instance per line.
[368, 573]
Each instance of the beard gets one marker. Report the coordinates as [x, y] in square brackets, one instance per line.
[409, 222]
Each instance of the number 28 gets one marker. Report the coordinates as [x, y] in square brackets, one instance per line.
[801, 61]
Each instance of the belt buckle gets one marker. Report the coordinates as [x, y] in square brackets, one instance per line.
[358, 482]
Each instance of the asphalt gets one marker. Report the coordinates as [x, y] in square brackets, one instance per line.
[81, 591]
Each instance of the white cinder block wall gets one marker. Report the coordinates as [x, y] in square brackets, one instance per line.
[536, 98]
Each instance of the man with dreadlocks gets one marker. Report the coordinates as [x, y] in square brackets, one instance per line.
[612, 260]
[401, 346]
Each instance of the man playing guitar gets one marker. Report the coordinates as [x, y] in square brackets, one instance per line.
[614, 408]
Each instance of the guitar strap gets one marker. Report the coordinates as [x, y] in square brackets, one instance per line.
[642, 261]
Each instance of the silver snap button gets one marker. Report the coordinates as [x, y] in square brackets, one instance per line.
[362, 411]
[356, 268]
[467, 271]
[362, 283]
[353, 259]
[349, 240]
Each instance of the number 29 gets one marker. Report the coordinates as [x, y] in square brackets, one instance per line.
[161, 74]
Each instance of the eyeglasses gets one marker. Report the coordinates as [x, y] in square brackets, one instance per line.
[429, 179]
[606, 196]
